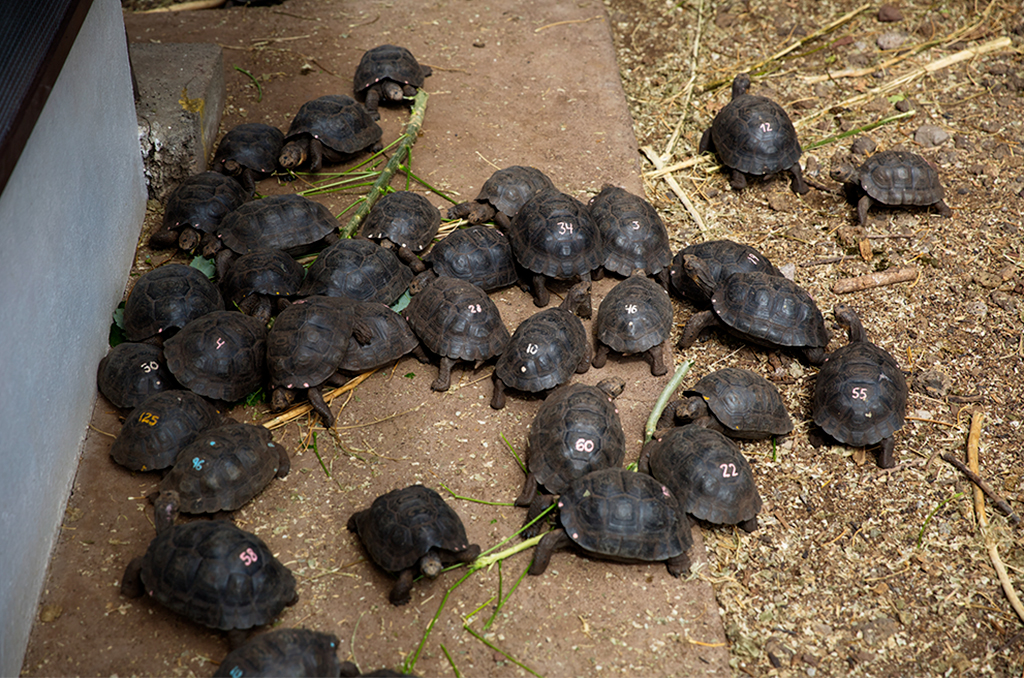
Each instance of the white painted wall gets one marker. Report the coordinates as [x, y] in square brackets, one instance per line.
[69, 222]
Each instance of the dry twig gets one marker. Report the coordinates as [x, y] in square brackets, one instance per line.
[866, 282]
[982, 487]
[676, 188]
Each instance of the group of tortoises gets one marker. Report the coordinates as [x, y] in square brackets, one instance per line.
[195, 346]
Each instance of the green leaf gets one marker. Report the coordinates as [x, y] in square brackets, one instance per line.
[410, 375]
[206, 266]
[896, 98]
[402, 302]
[116, 335]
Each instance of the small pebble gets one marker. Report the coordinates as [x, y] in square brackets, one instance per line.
[863, 146]
[479, 43]
[890, 40]
[930, 136]
[888, 13]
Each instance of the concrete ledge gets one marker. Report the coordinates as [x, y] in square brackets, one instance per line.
[181, 98]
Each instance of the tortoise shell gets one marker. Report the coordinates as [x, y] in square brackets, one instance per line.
[292, 223]
[168, 298]
[400, 527]
[225, 467]
[251, 145]
[744, 405]
[708, 473]
[544, 351]
[217, 574]
[506, 191]
[308, 341]
[158, 429]
[625, 516]
[221, 355]
[388, 62]
[754, 134]
[131, 372]
[262, 273]
[577, 430]
[722, 258]
[284, 652]
[360, 270]
[201, 202]
[477, 254]
[554, 235]
[634, 317]
[634, 235]
[769, 311]
[901, 178]
[405, 218]
[860, 394]
[341, 123]
[391, 338]
[457, 319]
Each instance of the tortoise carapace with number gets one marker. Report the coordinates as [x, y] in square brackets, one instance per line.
[210, 572]
[860, 393]
[577, 430]
[545, 350]
[753, 136]
[707, 473]
[455, 320]
[635, 317]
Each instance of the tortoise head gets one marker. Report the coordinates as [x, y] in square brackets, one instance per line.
[740, 85]
[697, 270]
[844, 171]
[848, 319]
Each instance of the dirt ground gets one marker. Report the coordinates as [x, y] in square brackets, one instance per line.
[855, 571]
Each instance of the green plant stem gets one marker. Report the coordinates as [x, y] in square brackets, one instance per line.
[662, 402]
[259, 90]
[858, 130]
[451, 663]
[380, 187]
[500, 651]
[410, 662]
[513, 451]
[486, 561]
[475, 501]
[502, 601]
[920, 535]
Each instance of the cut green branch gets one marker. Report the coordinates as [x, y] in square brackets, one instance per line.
[662, 402]
[405, 144]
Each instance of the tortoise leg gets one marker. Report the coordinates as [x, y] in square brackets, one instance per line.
[540, 291]
[400, 591]
[661, 277]
[551, 542]
[737, 180]
[223, 260]
[586, 308]
[131, 582]
[474, 212]
[316, 155]
[540, 503]
[502, 221]
[373, 101]
[411, 260]
[706, 142]
[284, 462]
[886, 458]
[748, 526]
[678, 565]
[943, 209]
[237, 638]
[316, 399]
[420, 354]
[529, 491]
[668, 416]
[600, 356]
[798, 185]
[498, 395]
[408, 91]
[863, 205]
[655, 357]
[815, 355]
[695, 325]
[588, 356]
[444, 375]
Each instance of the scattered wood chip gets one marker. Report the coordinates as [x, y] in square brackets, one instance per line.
[865, 282]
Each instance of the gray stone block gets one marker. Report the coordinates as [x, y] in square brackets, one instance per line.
[181, 99]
